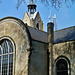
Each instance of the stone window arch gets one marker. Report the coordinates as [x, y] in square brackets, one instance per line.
[62, 66]
[37, 26]
[6, 57]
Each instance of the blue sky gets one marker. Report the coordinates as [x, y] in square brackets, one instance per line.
[65, 16]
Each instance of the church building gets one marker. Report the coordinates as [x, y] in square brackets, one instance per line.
[26, 49]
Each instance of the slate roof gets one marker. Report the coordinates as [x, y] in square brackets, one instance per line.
[38, 35]
[62, 35]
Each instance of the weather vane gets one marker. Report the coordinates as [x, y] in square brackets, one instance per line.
[49, 16]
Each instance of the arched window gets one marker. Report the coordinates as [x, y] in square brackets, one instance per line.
[37, 26]
[6, 57]
[62, 67]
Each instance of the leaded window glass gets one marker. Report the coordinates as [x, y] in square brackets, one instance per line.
[6, 57]
[62, 67]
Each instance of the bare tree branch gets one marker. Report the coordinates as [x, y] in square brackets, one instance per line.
[0, 1]
[20, 2]
[54, 3]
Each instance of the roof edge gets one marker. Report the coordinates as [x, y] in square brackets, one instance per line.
[64, 29]
[25, 25]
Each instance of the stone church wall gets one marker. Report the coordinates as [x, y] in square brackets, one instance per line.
[14, 30]
[39, 21]
[26, 19]
[38, 59]
[65, 49]
[33, 22]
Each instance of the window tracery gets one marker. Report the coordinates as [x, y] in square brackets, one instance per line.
[6, 57]
[62, 66]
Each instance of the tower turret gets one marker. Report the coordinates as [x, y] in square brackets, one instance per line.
[32, 17]
[32, 7]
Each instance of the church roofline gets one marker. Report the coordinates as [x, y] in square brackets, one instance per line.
[22, 23]
[10, 17]
[32, 15]
[68, 34]
[58, 38]
[64, 29]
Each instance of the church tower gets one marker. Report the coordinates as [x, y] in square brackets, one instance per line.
[32, 17]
